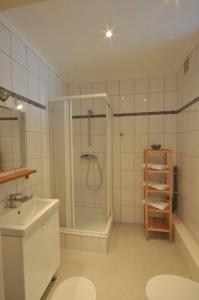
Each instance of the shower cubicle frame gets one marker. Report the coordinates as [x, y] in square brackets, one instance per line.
[69, 170]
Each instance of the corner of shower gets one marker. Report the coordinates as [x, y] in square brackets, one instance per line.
[80, 134]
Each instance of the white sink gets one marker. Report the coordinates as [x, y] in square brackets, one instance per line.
[23, 219]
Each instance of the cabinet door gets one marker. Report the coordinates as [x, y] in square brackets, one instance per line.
[1, 275]
[41, 257]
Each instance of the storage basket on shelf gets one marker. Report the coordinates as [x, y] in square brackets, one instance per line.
[158, 191]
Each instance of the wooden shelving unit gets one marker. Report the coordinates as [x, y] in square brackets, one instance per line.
[15, 175]
[155, 219]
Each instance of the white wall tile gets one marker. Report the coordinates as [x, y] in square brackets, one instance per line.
[113, 88]
[156, 101]
[141, 85]
[141, 142]
[127, 125]
[156, 124]
[43, 93]
[141, 103]
[5, 74]
[43, 71]
[156, 84]
[127, 103]
[171, 82]
[52, 78]
[139, 215]
[170, 123]
[35, 145]
[5, 39]
[18, 50]
[127, 197]
[126, 86]
[36, 164]
[127, 161]
[127, 214]
[34, 119]
[19, 79]
[73, 89]
[33, 87]
[115, 104]
[99, 87]
[141, 124]
[32, 62]
[171, 100]
[127, 143]
[86, 88]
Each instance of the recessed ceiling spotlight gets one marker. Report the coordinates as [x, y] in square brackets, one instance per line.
[109, 34]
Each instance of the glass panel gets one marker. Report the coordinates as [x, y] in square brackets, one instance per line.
[90, 155]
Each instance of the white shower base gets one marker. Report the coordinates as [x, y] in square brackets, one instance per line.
[92, 219]
[91, 233]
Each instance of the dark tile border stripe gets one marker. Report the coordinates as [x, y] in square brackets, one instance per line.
[144, 113]
[9, 119]
[192, 102]
[24, 99]
[151, 113]
[89, 116]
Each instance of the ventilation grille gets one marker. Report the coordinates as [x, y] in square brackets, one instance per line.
[186, 65]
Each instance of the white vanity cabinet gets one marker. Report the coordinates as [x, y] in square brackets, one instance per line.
[31, 260]
[1, 275]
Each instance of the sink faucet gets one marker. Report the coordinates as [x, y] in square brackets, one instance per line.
[13, 198]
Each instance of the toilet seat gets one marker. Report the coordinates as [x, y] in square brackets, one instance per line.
[171, 287]
[75, 288]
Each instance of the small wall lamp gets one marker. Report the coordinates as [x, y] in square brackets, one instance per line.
[4, 94]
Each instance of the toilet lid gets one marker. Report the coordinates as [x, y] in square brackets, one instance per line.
[171, 287]
[75, 288]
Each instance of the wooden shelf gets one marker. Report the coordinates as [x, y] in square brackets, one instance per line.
[158, 224]
[154, 209]
[159, 150]
[151, 190]
[162, 222]
[165, 171]
[15, 175]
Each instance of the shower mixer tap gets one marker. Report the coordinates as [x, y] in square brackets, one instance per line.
[89, 127]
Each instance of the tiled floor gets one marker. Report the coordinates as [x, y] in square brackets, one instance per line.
[123, 273]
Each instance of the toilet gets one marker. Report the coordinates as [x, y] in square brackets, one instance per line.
[75, 288]
[171, 287]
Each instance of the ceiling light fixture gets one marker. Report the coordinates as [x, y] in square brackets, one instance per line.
[19, 106]
[109, 34]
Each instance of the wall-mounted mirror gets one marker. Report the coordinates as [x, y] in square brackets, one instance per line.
[12, 139]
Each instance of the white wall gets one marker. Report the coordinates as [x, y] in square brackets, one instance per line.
[133, 95]
[23, 72]
[26, 73]
[188, 146]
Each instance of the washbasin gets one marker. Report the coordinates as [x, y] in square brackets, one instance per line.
[26, 216]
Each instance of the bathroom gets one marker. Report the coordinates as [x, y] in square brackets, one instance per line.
[85, 91]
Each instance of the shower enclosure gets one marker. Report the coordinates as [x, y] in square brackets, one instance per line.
[80, 133]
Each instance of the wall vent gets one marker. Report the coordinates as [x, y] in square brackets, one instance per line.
[186, 65]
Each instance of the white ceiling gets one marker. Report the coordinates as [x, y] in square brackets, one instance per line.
[151, 36]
